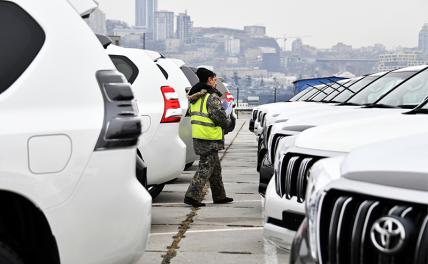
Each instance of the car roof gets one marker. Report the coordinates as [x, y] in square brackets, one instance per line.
[412, 68]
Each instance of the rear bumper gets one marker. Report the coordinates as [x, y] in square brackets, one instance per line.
[301, 247]
[266, 173]
[165, 155]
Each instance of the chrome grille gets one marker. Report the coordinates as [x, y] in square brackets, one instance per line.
[291, 175]
[346, 228]
[275, 141]
[255, 114]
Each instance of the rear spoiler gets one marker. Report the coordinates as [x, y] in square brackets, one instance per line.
[84, 7]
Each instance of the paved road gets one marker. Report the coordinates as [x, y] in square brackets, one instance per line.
[216, 233]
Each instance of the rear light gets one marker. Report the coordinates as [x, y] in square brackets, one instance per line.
[121, 127]
[229, 97]
[172, 111]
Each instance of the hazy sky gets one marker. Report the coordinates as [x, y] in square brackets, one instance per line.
[321, 23]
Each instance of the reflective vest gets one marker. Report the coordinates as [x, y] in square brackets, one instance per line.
[202, 126]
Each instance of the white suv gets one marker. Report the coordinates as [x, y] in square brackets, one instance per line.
[368, 207]
[161, 113]
[68, 139]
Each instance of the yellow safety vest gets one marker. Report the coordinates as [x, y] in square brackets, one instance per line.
[202, 126]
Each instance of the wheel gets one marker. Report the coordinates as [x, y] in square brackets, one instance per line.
[141, 171]
[8, 256]
[155, 190]
[188, 165]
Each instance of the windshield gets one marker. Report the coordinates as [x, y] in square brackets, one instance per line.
[409, 94]
[327, 92]
[380, 87]
[311, 93]
[340, 89]
[301, 94]
[345, 95]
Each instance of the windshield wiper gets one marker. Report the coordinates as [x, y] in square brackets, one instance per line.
[332, 102]
[407, 106]
[379, 106]
[417, 111]
[350, 104]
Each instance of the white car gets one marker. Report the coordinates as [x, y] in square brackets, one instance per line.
[69, 191]
[160, 111]
[296, 155]
[392, 93]
[371, 205]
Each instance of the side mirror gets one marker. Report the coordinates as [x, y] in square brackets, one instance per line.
[188, 89]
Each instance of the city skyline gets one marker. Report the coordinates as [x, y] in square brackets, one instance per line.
[362, 24]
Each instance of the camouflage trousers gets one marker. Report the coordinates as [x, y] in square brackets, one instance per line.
[209, 171]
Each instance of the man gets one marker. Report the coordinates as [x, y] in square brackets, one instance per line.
[209, 119]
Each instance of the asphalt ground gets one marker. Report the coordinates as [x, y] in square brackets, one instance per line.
[217, 233]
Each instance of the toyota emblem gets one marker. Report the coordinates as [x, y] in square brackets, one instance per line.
[388, 235]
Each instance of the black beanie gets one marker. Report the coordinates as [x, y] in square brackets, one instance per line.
[203, 74]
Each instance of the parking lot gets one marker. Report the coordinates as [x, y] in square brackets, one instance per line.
[214, 234]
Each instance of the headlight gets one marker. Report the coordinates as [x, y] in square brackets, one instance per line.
[321, 174]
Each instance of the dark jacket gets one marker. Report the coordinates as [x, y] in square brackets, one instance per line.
[216, 113]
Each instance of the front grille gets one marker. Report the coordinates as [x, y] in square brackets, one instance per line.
[275, 141]
[292, 175]
[262, 122]
[255, 114]
[259, 116]
[347, 222]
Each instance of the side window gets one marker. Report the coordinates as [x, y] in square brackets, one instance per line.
[126, 67]
[191, 76]
[22, 38]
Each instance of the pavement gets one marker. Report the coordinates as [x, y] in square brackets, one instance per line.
[217, 233]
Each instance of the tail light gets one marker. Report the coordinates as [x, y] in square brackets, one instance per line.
[229, 97]
[121, 127]
[172, 111]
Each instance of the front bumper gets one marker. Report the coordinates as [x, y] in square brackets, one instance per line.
[266, 173]
[300, 250]
[282, 218]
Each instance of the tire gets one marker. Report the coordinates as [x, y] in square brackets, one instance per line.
[8, 256]
[188, 165]
[141, 171]
[155, 190]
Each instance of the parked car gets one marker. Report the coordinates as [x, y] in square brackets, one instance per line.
[368, 207]
[69, 192]
[405, 88]
[297, 154]
[160, 112]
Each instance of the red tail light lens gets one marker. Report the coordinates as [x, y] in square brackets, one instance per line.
[229, 97]
[172, 111]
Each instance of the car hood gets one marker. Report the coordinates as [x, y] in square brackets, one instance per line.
[399, 163]
[337, 115]
[346, 136]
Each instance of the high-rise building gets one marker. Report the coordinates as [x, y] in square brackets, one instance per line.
[423, 39]
[184, 28]
[232, 46]
[164, 25]
[145, 14]
[97, 22]
[255, 31]
[396, 60]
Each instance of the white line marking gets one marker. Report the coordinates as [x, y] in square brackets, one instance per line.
[211, 231]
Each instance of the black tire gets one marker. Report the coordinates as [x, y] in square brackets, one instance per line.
[188, 165]
[141, 171]
[155, 190]
[8, 255]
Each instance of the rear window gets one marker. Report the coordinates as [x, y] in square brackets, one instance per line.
[126, 67]
[191, 76]
[21, 40]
